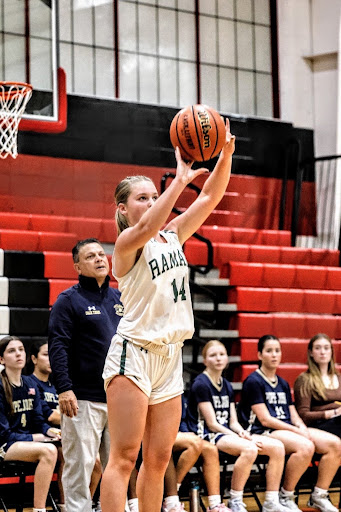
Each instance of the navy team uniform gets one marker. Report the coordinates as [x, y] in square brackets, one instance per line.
[258, 389]
[183, 422]
[48, 395]
[205, 390]
[28, 416]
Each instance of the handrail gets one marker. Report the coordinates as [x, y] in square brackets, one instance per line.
[202, 270]
[302, 166]
[292, 156]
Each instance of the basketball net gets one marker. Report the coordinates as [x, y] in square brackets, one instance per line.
[13, 100]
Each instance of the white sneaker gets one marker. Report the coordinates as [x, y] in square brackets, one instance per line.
[97, 507]
[219, 508]
[178, 508]
[322, 502]
[273, 506]
[236, 505]
[288, 502]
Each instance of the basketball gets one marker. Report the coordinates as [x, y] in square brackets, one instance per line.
[199, 132]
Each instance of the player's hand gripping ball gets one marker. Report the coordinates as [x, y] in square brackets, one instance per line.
[199, 132]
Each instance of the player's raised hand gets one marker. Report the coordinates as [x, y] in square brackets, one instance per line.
[230, 139]
[184, 169]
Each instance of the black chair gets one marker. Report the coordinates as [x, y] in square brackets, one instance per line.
[16, 473]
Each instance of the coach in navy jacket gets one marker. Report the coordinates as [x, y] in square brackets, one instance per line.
[82, 322]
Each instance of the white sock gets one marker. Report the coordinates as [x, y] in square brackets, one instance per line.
[39, 509]
[178, 487]
[318, 491]
[286, 493]
[236, 495]
[214, 500]
[133, 505]
[272, 496]
[171, 502]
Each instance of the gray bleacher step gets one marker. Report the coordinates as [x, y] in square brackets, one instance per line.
[208, 306]
[218, 333]
[237, 386]
[212, 281]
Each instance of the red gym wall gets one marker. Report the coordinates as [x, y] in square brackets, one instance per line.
[60, 186]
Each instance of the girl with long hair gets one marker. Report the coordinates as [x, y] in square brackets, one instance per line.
[143, 369]
[23, 430]
[318, 390]
[266, 408]
[211, 414]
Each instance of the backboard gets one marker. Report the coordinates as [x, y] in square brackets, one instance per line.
[29, 53]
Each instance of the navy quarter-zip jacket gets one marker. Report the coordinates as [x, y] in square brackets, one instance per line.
[82, 322]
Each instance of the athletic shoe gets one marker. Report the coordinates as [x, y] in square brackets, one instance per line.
[97, 507]
[273, 506]
[288, 502]
[322, 502]
[236, 505]
[219, 508]
[178, 508]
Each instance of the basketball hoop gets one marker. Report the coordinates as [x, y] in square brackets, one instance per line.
[13, 100]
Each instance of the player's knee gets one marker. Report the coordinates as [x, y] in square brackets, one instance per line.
[50, 453]
[306, 448]
[209, 450]
[125, 460]
[196, 443]
[334, 446]
[250, 451]
[277, 450]
[157, 461]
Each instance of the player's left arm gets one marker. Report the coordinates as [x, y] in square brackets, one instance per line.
[208, 412]
[212, 193]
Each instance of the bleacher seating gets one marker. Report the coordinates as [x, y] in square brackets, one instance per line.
[284, 276]
[277, 289]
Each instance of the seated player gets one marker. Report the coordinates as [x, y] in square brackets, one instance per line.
[266, 408]
[40, 365]
[24, 434]
[211, 414]
[191, 446]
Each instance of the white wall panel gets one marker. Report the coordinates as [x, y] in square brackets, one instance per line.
[3, 291]
[4, 319]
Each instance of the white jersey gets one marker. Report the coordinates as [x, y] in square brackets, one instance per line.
[156, 296]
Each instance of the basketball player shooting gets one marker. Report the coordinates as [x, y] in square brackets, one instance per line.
[143, 369]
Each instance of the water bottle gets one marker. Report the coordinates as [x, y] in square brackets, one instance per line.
[194, 501]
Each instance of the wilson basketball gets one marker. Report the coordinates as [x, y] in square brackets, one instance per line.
[199, 132]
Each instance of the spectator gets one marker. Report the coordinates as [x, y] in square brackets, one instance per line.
[23, 431]
[318, 390]
[82, 323]
[267, 408]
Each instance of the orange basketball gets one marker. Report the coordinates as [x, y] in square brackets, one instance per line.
[199, 131]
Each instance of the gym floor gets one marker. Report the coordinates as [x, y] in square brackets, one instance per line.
[251, 504]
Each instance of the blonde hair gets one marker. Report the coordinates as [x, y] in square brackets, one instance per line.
[312, 383]
[210, 344]
[122, 193]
